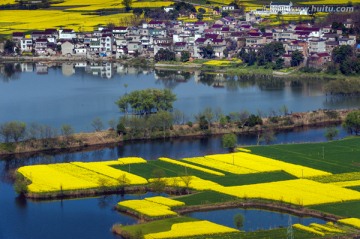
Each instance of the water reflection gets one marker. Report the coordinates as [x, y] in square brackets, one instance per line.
[77, 93]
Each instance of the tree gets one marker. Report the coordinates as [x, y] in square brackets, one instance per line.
[185, 55]
[164, 55]
[67, 131]
[200, 16]
[352, 122]
[123, 181]
[13, 130]
[331, 133]
[158, 183]
[127, 4]
[224, 14]
[201, 10]
[267, 136]
[229, 141]
[207, 51]
[137, 12]
[97, 124]
[296, 58]
[9, 47]
[147, 101]
[341, 53]
[239, 221]
[186, 179]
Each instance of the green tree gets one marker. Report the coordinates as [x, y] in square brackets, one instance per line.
[127, 4]
[137, 12]
[158, 183]
[239, 221]
[14, 130]
[9, 47]
[201, 10]
[123, 181]
[164, 55]
[147, 101]
[331, 133]
[185, 55]
[207, 52]
[352, 122]
[200, 16]
[229, 141]
[97, 124]
[340, 53]
[296, 58]
[67, 131]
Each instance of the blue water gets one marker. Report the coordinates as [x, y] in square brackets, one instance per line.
[58, 98]
[253, 219]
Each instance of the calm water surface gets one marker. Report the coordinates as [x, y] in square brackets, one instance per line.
[76, 95]
[254, 219]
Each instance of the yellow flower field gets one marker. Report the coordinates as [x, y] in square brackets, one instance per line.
[188, 229]
[221, 62]
[262, 164]
[165, 201]
[308, 229]
[102, 168]
[354, 222]
[74, 176]
[299, 191]
[177, 162]
[25, 20]
[327, 228]
[131, 160]
[227, 167]
[147, 208]
[195, 183]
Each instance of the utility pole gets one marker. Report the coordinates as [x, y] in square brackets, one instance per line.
[290, 232]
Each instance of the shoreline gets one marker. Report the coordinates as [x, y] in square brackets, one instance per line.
[108, 138]
[170, 66]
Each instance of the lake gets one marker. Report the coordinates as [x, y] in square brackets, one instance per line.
[76, 94]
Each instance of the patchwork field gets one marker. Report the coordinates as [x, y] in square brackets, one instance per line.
[319, 176]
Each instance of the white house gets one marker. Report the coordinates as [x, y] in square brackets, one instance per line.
[276, 7]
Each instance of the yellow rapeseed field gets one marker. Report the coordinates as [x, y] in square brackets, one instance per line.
[27, 20]
[262, 164]
[131, 160]
[308, 229]
[191, 166]
[165, 201]
[75, 176]
[327, 228]
[194, 183]
[188, 229]
[354, 222]
[147, 208]
[302, 192]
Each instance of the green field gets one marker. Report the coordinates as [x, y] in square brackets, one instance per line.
[345, 209]
[339, 156]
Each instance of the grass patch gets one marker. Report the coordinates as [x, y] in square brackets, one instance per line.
[246, 179]
[206, 197]
[156, 226]
[277, 233]
[345, 209]
[339, 156]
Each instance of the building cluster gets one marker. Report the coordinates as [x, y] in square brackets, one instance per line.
[228, 33]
